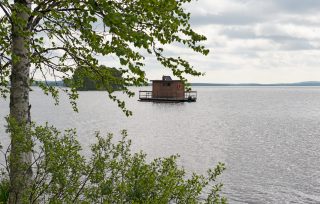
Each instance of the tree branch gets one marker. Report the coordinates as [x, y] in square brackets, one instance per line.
[35, 18]
[5, 11]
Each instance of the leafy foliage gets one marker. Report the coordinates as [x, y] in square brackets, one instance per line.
[4, 190]
[4, 183]
[67, 34]
[112, 174]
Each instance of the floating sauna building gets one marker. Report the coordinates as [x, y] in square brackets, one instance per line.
[168, 90]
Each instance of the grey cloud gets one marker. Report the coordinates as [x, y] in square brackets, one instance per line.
[300, 21]
[298, 44]
[285, 42]
[298, 6]
[249, 33]
[253, 12]
[240, 33]
[235, 18]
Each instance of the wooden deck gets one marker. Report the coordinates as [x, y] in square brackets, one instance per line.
[190, 96]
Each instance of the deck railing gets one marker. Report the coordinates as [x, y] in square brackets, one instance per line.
[145, 94]
[192, 95]
[189, 95]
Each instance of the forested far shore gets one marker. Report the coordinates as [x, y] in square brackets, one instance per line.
[307, 83]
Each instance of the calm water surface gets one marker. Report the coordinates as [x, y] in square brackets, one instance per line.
[268, 137]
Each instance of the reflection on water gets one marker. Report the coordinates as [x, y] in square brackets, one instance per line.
[268, 137]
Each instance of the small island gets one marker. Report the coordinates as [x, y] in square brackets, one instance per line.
[84, 80]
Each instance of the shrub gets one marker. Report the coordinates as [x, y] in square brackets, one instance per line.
[111, 174]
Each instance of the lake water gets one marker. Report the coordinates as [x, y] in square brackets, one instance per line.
[268, 137]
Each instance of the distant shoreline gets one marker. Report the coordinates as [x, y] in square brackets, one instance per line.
[257, 84]
[306, 83]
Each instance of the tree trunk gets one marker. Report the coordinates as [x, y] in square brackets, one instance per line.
[19, 120]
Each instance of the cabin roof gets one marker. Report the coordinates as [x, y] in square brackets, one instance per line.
[166, 78]
[166, 81]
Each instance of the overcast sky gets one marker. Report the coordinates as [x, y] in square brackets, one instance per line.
[263, 41]
[251, 41]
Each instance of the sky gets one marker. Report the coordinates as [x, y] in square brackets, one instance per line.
[253, 41]
[250, 41]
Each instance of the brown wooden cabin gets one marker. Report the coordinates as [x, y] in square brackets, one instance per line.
[168, 90]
